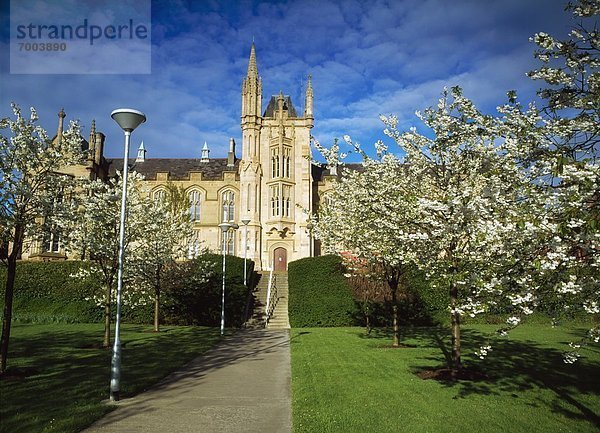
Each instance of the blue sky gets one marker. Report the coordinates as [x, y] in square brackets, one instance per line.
[366, 58]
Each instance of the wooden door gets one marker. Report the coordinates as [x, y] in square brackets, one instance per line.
[280, 259]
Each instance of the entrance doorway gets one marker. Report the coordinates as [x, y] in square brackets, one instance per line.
[280, 259]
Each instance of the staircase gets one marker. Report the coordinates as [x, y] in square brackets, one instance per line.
[279, 316]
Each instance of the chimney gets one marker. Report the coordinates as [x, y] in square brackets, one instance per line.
[61, 120]
[99, 147]
[231, 154]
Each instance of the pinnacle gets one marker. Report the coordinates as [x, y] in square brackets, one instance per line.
[252, 68]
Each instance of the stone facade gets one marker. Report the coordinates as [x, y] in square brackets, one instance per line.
[273, 186]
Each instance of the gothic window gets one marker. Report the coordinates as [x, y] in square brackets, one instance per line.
[229, 241]
[287, 162]
[286, 201]
[275, 161]
[194, 198]
[194, 245]
[275, 200]
[51, 240]
[228, 201]
[249, 188]
[159, 195]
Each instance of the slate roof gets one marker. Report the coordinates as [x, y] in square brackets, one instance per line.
[272, 106]
[319, 172]
[178, 168]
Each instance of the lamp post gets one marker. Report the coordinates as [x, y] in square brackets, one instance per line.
[128, 120]
[245, 221]
[225, 227]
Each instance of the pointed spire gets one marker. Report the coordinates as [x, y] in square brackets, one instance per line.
[205, 152]
[252, 68]
[141, 154]
[61, 120]
[92, 141]
[308, 102]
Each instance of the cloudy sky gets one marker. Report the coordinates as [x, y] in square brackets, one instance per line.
[366, 57]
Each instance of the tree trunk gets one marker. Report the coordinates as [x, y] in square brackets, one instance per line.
[156, 310]
[394, 288]
[456, 364]
[157, 301]
[8, 296]
[106, 342]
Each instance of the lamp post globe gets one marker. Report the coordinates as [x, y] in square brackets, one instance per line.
[128, 119]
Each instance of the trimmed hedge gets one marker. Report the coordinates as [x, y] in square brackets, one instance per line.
[45, 292]
[319, 294]
[191, 300]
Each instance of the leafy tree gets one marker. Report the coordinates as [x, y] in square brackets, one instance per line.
[164, 238]
[365, 217]
[92, 229]
[30, 188]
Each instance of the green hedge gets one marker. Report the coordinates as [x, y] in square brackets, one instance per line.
[319, 294]
[47, 293]
[191, 299]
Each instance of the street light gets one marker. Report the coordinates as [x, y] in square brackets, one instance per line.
[245, 221]
[225, 226]
[128, 120]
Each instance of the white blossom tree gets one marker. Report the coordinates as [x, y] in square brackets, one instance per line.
[367, 217]
[30, 184]
[505, 208]
[568, 164]
[92, 232]
[164, 238]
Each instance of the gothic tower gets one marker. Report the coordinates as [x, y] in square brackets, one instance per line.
[275, 174]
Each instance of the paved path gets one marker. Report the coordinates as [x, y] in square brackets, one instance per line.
[241, 385]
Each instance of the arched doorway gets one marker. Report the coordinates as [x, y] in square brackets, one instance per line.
[280, 259]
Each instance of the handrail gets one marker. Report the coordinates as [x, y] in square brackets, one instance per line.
[271, 295]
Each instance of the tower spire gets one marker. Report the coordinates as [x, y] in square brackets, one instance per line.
[308, 102]
[252, 68]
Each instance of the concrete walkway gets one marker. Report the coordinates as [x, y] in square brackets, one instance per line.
[241, 385]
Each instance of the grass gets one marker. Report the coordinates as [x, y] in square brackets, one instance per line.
[68, 376]
[345, 381]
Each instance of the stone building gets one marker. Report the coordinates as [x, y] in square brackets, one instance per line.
[271, 184]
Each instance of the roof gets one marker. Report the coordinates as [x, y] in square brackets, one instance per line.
[319, 171]
[287, 103]
[178, 168]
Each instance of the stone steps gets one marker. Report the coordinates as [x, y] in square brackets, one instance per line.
[279, 318]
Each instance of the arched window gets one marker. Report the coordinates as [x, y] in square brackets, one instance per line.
[159, 195]
[228, 200]
[194, 199]
[287, 152]
[275, 162]
[194, 245]
[286, 201]
[274, 200]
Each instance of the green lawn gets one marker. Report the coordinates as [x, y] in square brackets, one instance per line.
[69, 375]
[344, 381]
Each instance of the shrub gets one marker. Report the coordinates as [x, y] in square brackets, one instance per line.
[319, 294]
[193, 292]
[45, 292]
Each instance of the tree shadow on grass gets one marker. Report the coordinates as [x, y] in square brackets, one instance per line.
[512, 367]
